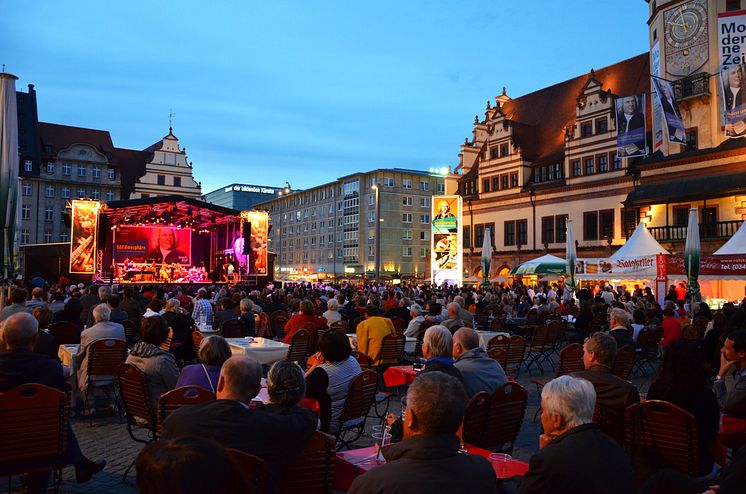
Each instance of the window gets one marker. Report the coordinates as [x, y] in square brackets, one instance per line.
[406, 183]
[111, 173]
[602, 125]
[26, 189]
[603, 163]
[424, 202]
[371, 216]
[95, 195]
[504, 150]
[503, 181]
[467, 237]
[371, 200]
[495, 183]
[407, 201]
[406, 251]
[732, 5]
[25, 236]
[81, 193]
[47, 237]
[616, 161]
[49, 191]
[48, 148]
[681, 215]
[691, 139]
[494, 153]
[388, 182]
[441, 187]
[423, 251]
[371, 251]
[486, 185]
[406, 235]
[586, 129]
[424, 185]
[406, 217]
[590, 226]
[177, 181]
[422, 235]
[25, 212]
[547, 230]
[509, 233]
[425, 219]
[589, 166]
[96, 172]
[28, 166]
[50, 168]
[514, 179]
[67, 170]
[521, 227]
[109, 196]
[576, 172]
[64, 237]
[161, 180]
[606, 224]
[598, 225]
[561, 228]
[81, 170]
[48, 214]
[490, 228]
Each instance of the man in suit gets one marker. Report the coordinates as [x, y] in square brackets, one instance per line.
[631, 126]
[20, 365]
[165, 249]
[575, 456]
[275, 436]
[732, 88]
[618, 322]
[671, 109]
[102, 329]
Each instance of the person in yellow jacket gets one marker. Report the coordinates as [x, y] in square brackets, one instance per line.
[371, 331]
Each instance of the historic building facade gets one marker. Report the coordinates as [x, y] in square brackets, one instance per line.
[167, 171]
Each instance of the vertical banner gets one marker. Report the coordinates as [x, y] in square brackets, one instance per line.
[734, 101]
[731, 38]
[259, 220]
[630, 124]
[446, 257]
[655, 70]
[671, 113]
[83, 238]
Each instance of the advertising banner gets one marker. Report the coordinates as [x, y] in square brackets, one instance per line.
[627, 268]
[259, 220]
[734, 101]
[655, 68]
[723, 267]
[631, 138]
[151, 244]
[446, 257]
[83, 238]
[671, 113]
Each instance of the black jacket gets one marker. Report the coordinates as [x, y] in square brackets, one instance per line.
[622, 337]
[583, 460]
[23, 366]
[428, 464]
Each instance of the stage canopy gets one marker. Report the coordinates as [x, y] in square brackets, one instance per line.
[640, 244]
[174, 210]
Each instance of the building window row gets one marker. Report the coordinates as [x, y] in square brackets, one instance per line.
[500, 182]
[600, 163]
[554, 229]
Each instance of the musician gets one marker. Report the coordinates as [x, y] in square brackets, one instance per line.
[166, 248]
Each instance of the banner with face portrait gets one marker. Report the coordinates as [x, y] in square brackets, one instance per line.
[153, 244]
[631, 139]
[446, 257]
[671, 114]
[257, 257]
[732, 81]
[83, 238]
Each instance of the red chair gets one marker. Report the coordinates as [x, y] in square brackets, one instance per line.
[34, 422]
[252, 470]
[197, 338]
[66, 333]
[570, 360]
[181, 397]
[312, 471]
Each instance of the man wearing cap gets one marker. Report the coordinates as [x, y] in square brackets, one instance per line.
[416, 323]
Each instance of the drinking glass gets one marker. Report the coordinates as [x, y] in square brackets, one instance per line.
[382, 436]
[500, 464]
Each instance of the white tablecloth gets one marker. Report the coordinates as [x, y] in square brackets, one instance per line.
[263, 350]
[486, 336]
[66, 353]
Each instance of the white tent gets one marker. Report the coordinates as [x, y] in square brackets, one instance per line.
[640, 244]
[736, 244]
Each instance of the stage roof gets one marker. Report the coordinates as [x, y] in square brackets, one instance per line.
[169, 210]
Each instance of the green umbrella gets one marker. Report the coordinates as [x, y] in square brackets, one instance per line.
[547, 264]
[8, 172]
[691, 256]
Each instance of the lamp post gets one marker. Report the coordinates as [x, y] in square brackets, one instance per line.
[378, 233]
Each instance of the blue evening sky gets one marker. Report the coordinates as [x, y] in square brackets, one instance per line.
[303, 91]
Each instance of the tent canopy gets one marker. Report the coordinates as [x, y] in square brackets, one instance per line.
[640, 244]
[736, 244]
[546, 264]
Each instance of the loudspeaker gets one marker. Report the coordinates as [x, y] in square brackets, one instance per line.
[246, 238]
[103, 230]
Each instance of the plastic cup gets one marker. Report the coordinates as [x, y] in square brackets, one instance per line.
[382, 440]
[500, 463]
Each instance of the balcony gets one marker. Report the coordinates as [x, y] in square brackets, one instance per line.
[692, 86]
[722, 230]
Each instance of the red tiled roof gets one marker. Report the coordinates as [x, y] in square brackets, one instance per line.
[63, 136]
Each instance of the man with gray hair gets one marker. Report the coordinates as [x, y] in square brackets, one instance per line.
[103, 294]
[567, 405]
[103, 329]
[275, 434]
[453, 322]
[480, 372]
[427, 460]
[464, 314]
[618, 322]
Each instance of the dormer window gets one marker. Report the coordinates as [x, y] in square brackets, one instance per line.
[494, 152]
[504, 150]
[586, 129]
[602, 125]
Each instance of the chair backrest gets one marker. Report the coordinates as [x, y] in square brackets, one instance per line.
[316, 343]
[66, 333]
[507, 408]
[475, 418]
[360, 396]
[340, 326]
[610, 421]
[516, 351]
[129, 329]
[420, 337]
[532, 317]
[180, 397]
[168, 344]
[104, 357]
[279, 318]
[312, 471]
[252, 469]
[35, 422]
[665, 432]
[299, 344]
[197, 338]
[554, 328]
[399, 324]
[499, 341]
[364, 360]
[264, 328]
[497, 324]
[541, 337]
[689, 332]
[232, 328]
[355, 322]
[392, 349]
[135, 395]
[570, 359]
[625, 359]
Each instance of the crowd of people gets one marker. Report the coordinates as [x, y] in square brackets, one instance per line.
[705, 377]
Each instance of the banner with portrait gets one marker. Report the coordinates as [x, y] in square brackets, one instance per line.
[732, 80]
[631, 139]
[258, 238]
[655, 71]
[153, 244]
[446, 257]
[674, 123]
[83, 238]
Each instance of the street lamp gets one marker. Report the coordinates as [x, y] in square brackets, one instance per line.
[378, 233]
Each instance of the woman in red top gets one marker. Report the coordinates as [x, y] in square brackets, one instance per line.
[307, 316]
[671, 327]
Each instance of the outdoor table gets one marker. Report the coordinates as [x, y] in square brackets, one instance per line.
[206, 329]
[356, 462]
[308, 403]
[486, 336]
[263, 350]
[67, 354]
[399, 375]
[408, 345]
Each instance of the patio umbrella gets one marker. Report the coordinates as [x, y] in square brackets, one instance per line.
[570, 254]
[8, 171]
[486, 257]
[691, 256]
[547, 264]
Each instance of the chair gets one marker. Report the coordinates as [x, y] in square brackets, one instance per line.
[66, 333]
[340, 326]
[312, 471]
[252, 470]
[35, 422]
[197, 338]
[392, 352]
[167, 346]
[278, 320]
[532, 321]
[299, 344]
[355, 322]
[541, 347]
[232, 328]
[475, 418]
[625, 359]
[648, 342]
[264, 327]
[610, 421]
[315, 340]
[516, 353]
[357, 404]
[365, 361]
[136, 401]
[104, 357]
[497, 324]
[482, 320]
[129, 330]
[420, 337]
[507, 409]
[180, 397]
[660, 431]
[399, 324]
[570, 360]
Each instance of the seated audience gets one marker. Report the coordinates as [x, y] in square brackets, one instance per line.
[733, 360]
[332, 314]
[671, 327]
[428, 459]
[480, 373]
[181, 324]
[226, 313]
[37, 299]
[46, 344]
[246, 308]
[413, 328]
[286, 386]
[57, 301]
[453, 322]
[371, 331]
[131, 306]
[17, 303]
[202, 308]
[307, 319]
[618, 321]
[213, 352]
[437, 348]
[638, 322]
[70, 313]
[117, 314]
[575, 456]
[101, 330]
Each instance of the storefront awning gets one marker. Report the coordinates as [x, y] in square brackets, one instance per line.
[691, 189]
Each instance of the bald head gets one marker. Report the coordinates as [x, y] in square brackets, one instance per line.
[20, 330]
[240, 379]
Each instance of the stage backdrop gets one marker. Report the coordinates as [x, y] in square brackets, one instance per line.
[259, 221]
[83, 238]
[446, 262]
[153, 244]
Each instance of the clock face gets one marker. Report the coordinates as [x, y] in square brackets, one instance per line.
[686, 35]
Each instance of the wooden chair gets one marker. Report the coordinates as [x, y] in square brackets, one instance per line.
[364, 360]
[278, 320]
[507, 409]
[299, 345]
[66, 333]
[357, 404]
[355, 322]
[181, 397]
[542, 345]
[664, 433]
[648, 342]
[129, 330]
[570, 360]
[312, 471]
[420, 337]
[35, 422]
[482, 320]
[264, 328]
[392, 350]
[167, 346]
[316, 333]
[475, 418]
[252, 470]
[340, 326]
[532, 321]
[625, 359]
[399, 324]
[232, 328]
[104, 357]
[610, 421]
[497, 324]
[136, 400]
[197, 338]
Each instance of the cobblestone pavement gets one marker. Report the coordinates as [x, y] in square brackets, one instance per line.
[108, 439]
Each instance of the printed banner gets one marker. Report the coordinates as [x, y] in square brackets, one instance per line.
[160, 245]
[732, 266]
[734, 101]
[671, 113]
[446, 257]
[731, 38]
[655, 67]
[632, 267]
[631, 139]
[259, 221]
[83, 238]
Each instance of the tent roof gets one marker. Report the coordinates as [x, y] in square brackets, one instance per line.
[736, 244]
[640, 244]
[546, 264]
